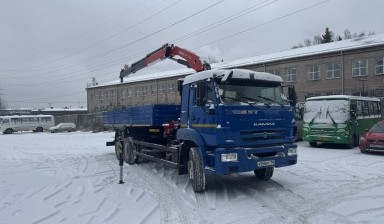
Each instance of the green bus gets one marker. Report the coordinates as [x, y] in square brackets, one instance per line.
[339, 119]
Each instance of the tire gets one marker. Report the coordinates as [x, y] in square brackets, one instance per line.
[196, 170]
[264, 173]
[128, 150]
[313, 144]
[352, 143]
[356, 141]
[118, 149]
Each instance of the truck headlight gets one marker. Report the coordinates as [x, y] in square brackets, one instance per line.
[292, 151]
[229, 157]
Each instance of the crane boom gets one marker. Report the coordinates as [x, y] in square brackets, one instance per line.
[190, 59]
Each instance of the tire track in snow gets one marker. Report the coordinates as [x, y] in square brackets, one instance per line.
[170, 204]
[94, 211]
[45, 218]
[202, 208]
[340, 196]
[267, 194]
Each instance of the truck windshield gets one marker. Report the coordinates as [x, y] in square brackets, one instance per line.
[245, 91]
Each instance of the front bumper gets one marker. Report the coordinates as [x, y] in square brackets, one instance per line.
[249, 159]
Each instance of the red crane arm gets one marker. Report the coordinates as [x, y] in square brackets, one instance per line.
[190, 59]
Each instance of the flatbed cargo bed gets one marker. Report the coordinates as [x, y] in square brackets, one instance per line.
[141, 116]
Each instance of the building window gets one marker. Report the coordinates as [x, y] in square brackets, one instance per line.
[360, 67]
[153, 89]
[109, 95]
[143, 90]
[162, 88]
[172, 87]
[122, 94]
[313, 72]
[333, 70]
[275, 71]
[380, 66]
[290, 74]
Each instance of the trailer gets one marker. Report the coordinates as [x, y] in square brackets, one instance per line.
[229, 121]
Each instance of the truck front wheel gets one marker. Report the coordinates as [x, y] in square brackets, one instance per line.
[264, 173]
[196, 170]
[128, 155]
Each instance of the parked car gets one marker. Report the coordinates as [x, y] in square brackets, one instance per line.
[63, 127]
[373, 139]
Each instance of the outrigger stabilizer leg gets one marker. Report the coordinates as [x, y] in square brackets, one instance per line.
[121, 163]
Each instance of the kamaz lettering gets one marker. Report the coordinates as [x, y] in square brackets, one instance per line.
[264, 124]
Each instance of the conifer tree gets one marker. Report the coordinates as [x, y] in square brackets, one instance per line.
[327, 36]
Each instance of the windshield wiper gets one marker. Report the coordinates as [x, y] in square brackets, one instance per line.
[318, 113]
[271, 100]
[236, 99]
[253, 101]
[329, 113]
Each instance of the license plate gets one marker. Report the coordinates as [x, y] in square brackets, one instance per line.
[377, 146]
[266, 163]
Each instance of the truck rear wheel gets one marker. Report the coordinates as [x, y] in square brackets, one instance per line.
[264, 173]
[128, 155]
[196, 170]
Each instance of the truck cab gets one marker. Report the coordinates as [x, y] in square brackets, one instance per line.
[239, 120]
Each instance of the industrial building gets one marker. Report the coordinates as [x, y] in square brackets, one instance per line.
[351, 67]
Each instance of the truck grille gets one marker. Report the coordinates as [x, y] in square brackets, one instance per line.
[262, 135]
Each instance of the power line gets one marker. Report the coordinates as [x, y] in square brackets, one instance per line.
[158, 31]
[215, 25]
[112, 36]
[90, 31]
[271, 21]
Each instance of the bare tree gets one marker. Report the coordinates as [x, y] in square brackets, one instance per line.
[211, 59]
[317, 39]
[3, 106]
[307, 42]
[347, 34]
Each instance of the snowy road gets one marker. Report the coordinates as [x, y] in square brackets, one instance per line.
[72, 178]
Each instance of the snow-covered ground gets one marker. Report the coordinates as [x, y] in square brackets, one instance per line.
[72, 178]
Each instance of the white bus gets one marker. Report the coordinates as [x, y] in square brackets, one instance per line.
[35, 123]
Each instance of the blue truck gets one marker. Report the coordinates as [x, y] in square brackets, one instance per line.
[229, 121]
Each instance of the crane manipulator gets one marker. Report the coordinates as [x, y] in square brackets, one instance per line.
[190, 59]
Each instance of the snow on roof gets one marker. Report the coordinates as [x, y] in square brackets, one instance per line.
[236, 73]
[337, 46]
[61, 109]
[334, 97]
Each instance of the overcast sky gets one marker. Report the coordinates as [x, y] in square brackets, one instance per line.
[51, 49]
